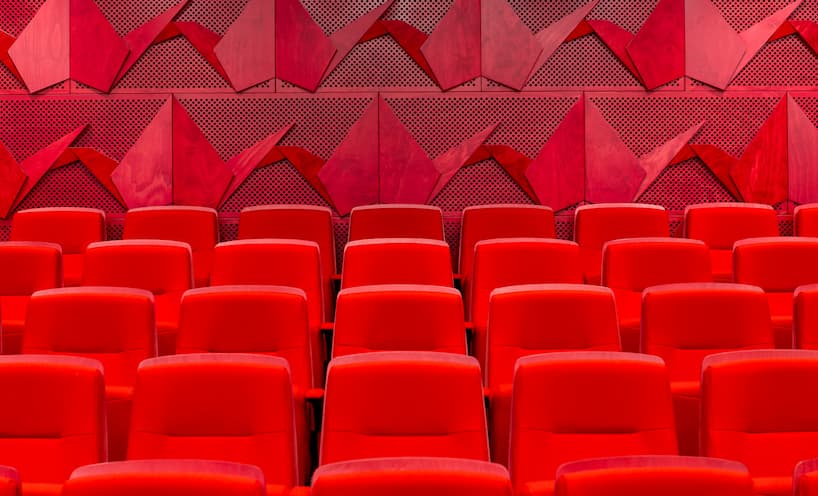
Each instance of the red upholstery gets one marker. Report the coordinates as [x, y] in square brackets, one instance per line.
[396, 261]
[166, 478]
[26, 267]
[761, 408]
[805, 478]
[395, 403]
[805, 317]
[53, 418]
[654, 475]
[161, 267]
[805, 220]
[71, 228]
[778, 265]
[9, 482]
[271, 320]
[513, 261]
[230, 407]
[411, 477]
[683, 323]
[631, 265]
[575, 405]
[281, 262]
[304, 222]
[398, 317]
[530, 319]
[720, 225]
[396, 221]
[595, 225]
[116, 326]
[485, 222]
[196, 226]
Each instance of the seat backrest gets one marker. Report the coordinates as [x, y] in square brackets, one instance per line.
[720, 225]
[404, 476]
[805, 317]
[249, 405]
[683, 323]
[805, 220]
[484, 222]
[574, 405]
[535, 318]
[396, 221]
[116, 326]
[9, 482]
[53, 415]
[394, 403]
[398, 317]
[271, 320]
[760, 407]
[595, 225]
[651, 475]
[71, 228]
[778, 264]
[196, 226]
[637, 263]
[805, 478]
[154, 265]
[29, 266]
[166, 478]
[396, 261]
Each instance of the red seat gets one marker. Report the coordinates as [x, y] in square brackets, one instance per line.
[394, 403]
[653, 475]
[116, 326]
[761, 408]
[71, 228]
[396, 221]
[595, 225]
[27, 266]
[805, 479]
[778, 265]
[484, 222]
[304, 222]
[196, 226]
[9, 482]
[396, 261]
[279, 262]
[398, 317]
[230, 407]
[161, 267]
[720, 225]
[536, 318]
[410, 477]
[805, 220]
[53, 418]
[513, 261]
[805, 317]
[270, 320]
[683, 323]
[574, 405]
[631, 265]
[166, 478]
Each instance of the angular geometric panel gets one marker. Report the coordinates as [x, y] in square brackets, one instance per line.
[612, 172]
[303, 51]
[347, 37]
[658, 49]
[450, 161]
[453, 48]
[247, 49]
[38, 164]
[712, 49]
[97, 51]
[802, 155]
[41, 52]
[258, 155]
[720, 163]
[12, 179]
[757, 35]
[554, 35]
[656, 161]
[141, 38]
[508, 49]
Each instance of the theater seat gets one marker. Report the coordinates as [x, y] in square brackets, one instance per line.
[396, 221]
[595, 225]
[304, 222]
[231, 407]
[70, 227]
[575, 405]
[683, 323]
[411, 477]
[760, 408]
[631, 265]
[396, 261]
[161, 267]
[536, 318]
[805, 317]
[394, 403]
[778, 265]
[654, 475]
[512, 261]
[196, 226]
[116, 326]
[53, 418]
[166, 478]
[26, 267]
[398, 317]
[805, 220]
[805, 478]
[9, 482]
[720, 225]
